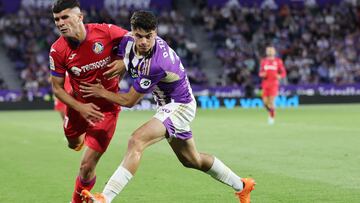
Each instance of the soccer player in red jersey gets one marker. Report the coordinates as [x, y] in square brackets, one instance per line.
[85, 52]
[59, 105]
[271, 71]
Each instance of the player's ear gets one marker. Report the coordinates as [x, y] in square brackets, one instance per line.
[81, 18]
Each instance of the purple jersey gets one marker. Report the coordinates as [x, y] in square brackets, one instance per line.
[160, 72]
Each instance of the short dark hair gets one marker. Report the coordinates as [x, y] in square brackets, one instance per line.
[61, 5]
[145, 20]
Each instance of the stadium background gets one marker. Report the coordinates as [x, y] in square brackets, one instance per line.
[310, 155]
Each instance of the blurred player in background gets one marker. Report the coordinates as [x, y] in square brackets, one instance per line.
[85, 52]
[59, 105]
[157, 69]
[271, 71]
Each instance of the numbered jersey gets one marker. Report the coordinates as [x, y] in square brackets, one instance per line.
[160, 72]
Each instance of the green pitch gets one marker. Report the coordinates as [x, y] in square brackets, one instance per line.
[311, 154]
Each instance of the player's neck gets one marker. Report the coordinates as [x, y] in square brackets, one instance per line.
[80, 36]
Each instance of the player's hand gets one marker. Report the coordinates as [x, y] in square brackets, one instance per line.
[263, 74]
[116, 70]
[91, 113]
[92, 90]
[278, 76]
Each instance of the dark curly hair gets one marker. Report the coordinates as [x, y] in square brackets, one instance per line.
[145, 20]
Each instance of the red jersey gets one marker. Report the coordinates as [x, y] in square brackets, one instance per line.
[67, 85]
[87, 61]
[272, 68]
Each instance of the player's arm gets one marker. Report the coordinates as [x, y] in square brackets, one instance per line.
[262, 72]
[128, 99]
[89, 111]
[282, 70]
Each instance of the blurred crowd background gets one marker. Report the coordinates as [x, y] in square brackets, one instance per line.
[318, 44]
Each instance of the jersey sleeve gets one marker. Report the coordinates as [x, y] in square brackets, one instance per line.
[55, 64]
[146, 83]
[116, 32]
[124, 44]
[282, 70]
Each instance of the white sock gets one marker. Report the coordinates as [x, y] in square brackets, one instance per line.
[116, 183]
[224, 174]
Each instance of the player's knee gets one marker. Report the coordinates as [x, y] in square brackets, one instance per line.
[135, 143]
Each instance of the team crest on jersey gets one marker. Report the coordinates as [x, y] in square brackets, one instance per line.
[145, 83]
[76, 70]
[98, 48]
[51, 63]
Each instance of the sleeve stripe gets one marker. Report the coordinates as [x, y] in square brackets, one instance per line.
[57, 74]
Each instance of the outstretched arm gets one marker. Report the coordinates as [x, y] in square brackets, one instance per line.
[128, 99]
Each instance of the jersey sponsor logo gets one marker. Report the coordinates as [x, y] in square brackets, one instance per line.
[145, 83]
[76, 70]
[133, 73]
[98, 47]
[270, 67]
[96, 65]
[51, 63]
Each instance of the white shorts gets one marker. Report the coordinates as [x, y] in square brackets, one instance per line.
[177, 118]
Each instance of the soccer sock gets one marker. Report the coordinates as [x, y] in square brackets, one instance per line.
[116, 183]
[80, 185]
[272, 112]
[224, 174]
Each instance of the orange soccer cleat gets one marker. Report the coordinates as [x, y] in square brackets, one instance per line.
[244, 195]
[92, 198]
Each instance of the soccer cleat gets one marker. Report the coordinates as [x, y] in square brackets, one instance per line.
[271, 121]
[92, 198]
[244, 194]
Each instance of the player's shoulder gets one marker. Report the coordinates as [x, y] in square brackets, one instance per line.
[100, 27]
[59, 46]
[161, 49]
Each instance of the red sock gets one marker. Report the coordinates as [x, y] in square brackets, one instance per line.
[81, 184]
[272, 112]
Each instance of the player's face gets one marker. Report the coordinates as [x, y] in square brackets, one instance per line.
[69, 22]
[270, 51]
[144, 40]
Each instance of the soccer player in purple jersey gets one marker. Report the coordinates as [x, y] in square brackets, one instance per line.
[156, 68]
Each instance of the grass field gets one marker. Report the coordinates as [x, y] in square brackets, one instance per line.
[312, 154]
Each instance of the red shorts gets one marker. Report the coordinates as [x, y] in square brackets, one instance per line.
[59, 106]
[270, 91]
[97, 137]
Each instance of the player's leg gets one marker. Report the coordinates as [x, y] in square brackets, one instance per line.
[273, 92]
[86, 178]
[97, 139]
[76, 142]
[146, 135]
[188, 155]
